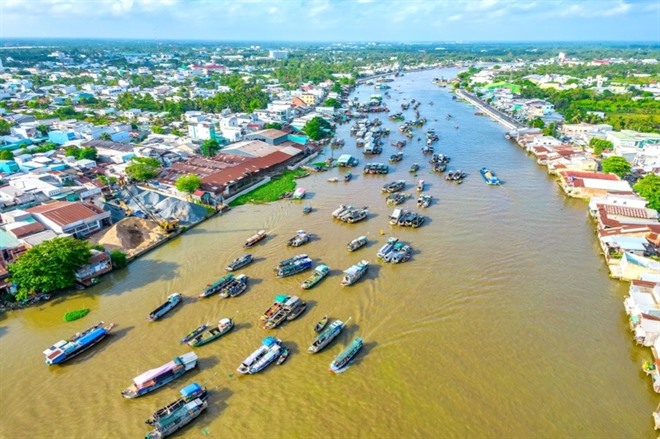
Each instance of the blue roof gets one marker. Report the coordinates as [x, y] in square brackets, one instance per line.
[269, 341]
[190, 389]
[89, 338]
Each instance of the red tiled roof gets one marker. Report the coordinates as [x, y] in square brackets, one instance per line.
[632, 212]
[643, 283]
[28, 229]
[593, 175]
[65, 212]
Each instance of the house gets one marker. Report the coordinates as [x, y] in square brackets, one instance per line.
[591, 184]
[74, 218]
[643, 308]
[99, 264]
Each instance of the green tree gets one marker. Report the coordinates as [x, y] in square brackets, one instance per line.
[273, 125]
[332, 102]
[188, 183]
[209, 147]
[536, 123]
[118, 259]
[105, 136]
[143, 168]
[649, 188]
[6, 155]
[616, 165]
[43, 129]
[87, 153]
[550, 130]
[49, 266]
[4, 127]
[318, 128]
[600, 145]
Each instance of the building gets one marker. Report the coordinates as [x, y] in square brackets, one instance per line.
[592, 184]
[99, 264]
[278, 54]
[75, 218]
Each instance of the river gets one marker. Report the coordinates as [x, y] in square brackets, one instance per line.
[504, 323]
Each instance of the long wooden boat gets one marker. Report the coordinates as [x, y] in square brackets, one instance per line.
[212, 333]
[177, 416]
[234, 288]
[189, 393]
[65, 350]
[321, 324]
[216, 286]
[158, 377]
[240, 262]
[172, 301]
[490, 177]
[265, 354]
[194, 333]
[357, 243]
[320, 272]
[342, 360]
[252, 240]
[322, 340]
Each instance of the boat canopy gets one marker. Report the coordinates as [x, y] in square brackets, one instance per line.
[190, 389]
[151, 374]
[91, 336]
[322, 267]
[269, 341]
[281, 298]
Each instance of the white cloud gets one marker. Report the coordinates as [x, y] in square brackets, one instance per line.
[455, 17]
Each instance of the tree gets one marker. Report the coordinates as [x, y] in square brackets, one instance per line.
[550, 130]
[43, 129]
[209, 147]
[649, 188]
[536, 123]
[616, 165]
[4, 127]
[600, 145]
[273, 125]
[5, 154]
[105, 136]
[143, 168]
[87, 153]
[49, 266]
[118, 259]
[318, 128]
[332, 102]
[188, 183]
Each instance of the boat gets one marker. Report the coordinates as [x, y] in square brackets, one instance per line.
[420, 186]
[298, 240]
[189, 393]
[290, 261]
[234, 288]
[284, 354]
[396, 198]
[396, 157]
[387, 247]
[414, 168]
[342, 360]
[299, 193]
[172, 301]
[239, 262]
[252, 240]
[398, 253]
[194, 333]
[353, 215]
[177, 418]
[354, 273]
[158, 377]
[393, 186]
[333, 180]
[265, 354]
[357, 243]
[212, 333]
[307, 209]
[324, 338]
[64, 350]
[283, 308]
[216, 286]
[320, 272]
[295, 267]
[321, 324]
[490, 177]
[424, 200]
[348, 177]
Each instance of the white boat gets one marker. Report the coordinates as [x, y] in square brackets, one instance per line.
[354, 273]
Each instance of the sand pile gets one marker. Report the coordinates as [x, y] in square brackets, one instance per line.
[169, 207]
[130, 235]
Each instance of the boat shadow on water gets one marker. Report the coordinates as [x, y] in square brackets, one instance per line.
[3, 330]
[239, 326]
[125, 280]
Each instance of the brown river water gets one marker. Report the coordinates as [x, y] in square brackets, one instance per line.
[504, 323]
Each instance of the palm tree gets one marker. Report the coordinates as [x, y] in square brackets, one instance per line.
[105, 136]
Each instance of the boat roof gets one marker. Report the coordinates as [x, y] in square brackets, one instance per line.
[190, 389]
[153, 373]
[91, 336]
[281, 298]
[322, 267]
[269, 341]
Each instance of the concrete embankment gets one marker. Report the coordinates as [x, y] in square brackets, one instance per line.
[496, 115]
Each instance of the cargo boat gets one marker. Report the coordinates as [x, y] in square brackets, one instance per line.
[64, 350]
[158, 377]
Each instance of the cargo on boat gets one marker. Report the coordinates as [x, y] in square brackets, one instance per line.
[216, 286]
[283, 308]
[65, 350]
[211, 333]
[172, 301]
[158, 377]
[320, 272]
[252, 240]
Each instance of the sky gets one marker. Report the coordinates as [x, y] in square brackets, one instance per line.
[335, 20]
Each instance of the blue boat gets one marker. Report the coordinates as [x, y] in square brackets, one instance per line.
[294, 268]
[64, 350]
[176, 415]
[189, 393]
[490, 177]
[158, 377]
[344, 358]
[268, 352]
[172, 301]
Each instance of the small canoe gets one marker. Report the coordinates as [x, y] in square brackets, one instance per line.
[283, 356]
[321, 324]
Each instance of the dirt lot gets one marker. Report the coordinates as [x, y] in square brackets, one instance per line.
[130, 235]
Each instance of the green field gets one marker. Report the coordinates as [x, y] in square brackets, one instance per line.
[271, 191]
[515, 89]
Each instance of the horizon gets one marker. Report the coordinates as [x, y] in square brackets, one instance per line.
[336, 21]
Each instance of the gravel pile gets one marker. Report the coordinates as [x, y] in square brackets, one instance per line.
[168, 207]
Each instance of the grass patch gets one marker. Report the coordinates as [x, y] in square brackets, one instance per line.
[75, 315]
[271, 191]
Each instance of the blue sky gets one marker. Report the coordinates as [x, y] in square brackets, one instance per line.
[335, 20]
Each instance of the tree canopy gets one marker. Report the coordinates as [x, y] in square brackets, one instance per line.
[49, 266]
[188, 183]
[616, 165]
[209, 147]
[143, 168]
[649, 188]
[318, 128]
[4, 127]
[600, 145]
[5, 154]
[275, 125]
[88, 153]
[332, 102]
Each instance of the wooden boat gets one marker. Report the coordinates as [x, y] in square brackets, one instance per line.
[299, 193]
[397, 157]
[158, 377]
[354, 273]
[239, 262]
[396, 198]
[393, 186]
[189, 393]
[348, 177]
[424, 200]
[320, 272]
[387, 247]
[296, 267]
[321, 324]
[420, 186]
[284, 308]
[177, 418]
[333, 180]
[307, 209]
[265, 354]
[212, 333]
[357, 243]
[324, 338]
[172, 301]
[65, 350]
[399, 252]
[290, 261]
[216, 286]
[252, 240]
[342, 360]
[234, 288]
[490, 177]
[414, 168]
[301, 238]
[284, 354]
[194, 333]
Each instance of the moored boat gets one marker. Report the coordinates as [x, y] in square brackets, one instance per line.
[284, 354]
[295, 267]
[342, 360]
[321, 324]
[354, 273]
[357, 243]
[239, 262]
[387, 247]
[177, 418]
[324, 338]
[158, 377]
[320, 272]
[64, 350]
[301, 238]
[424, 200]
[420, 186]
[265, 354]
[283, 308]
[414, 168]
[299, 193]
[290, 261]
[234, 288]
[216, 286]
[490, 177]
[252, 240]
[194, 333]
[348, 177]
[189, 393]
[212, 333]
[393, 186]
[172, 301]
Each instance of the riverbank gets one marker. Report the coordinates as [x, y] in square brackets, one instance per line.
[503, 119]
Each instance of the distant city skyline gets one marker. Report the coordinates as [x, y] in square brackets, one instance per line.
[335, 20]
